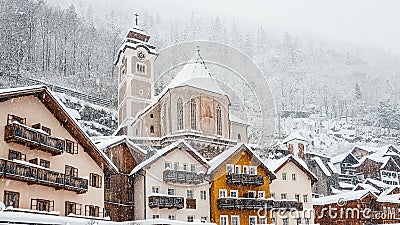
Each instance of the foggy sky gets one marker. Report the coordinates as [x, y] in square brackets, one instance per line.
[373, 23]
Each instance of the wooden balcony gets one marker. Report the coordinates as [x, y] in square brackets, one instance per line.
[33, 138]
[244, 179]
[190, 203]
[179, 176]
[169, 202]
[34, 175]
[244, 203]
[287, 205]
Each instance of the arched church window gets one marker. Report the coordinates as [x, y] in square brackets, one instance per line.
[193, 114]
[179, 107]
[219, 120]
[152, 129]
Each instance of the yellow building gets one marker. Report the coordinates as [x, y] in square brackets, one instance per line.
[239, 188]
[47, 162]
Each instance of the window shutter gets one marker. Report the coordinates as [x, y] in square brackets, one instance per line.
[51, 205]
[100, 181]
[91, 179]
[75, 148]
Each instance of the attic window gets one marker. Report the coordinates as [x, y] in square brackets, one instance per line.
[14, 118]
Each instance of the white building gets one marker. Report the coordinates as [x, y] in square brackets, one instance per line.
[293, 182]
[171, 185]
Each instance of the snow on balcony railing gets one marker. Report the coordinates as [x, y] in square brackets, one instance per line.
[180, 176]
[244, 179]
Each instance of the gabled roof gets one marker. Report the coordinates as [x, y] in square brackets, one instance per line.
[220, 159]
[339, 158]
[322, 166]
[276, 165]
[104, 142]
[60, 111]
[376, 183]
[348, 196]
[294, 136]
[389, 198]
[178, 144]
[362, 186]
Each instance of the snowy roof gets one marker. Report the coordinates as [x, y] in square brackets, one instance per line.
[348, 196]
[366, 187]
[336, 191]
[332, 167]
[322, 166]
[60, 111]
[294, 136]
[395, 198]
[236, 119]
[378, 183]
[166, 150]
[196, 74]
[218, 160]
[104, 142]
[339, 158]
[276, 165]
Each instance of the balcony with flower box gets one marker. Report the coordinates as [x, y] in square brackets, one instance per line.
[33, 174]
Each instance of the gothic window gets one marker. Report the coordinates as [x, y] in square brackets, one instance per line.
[219, 120]
[193, 114]
[152, 129]
[140, 67]
[179, 107]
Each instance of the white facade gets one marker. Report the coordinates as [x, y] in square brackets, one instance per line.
[181, 158]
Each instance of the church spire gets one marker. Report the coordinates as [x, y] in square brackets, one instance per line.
[137, 33]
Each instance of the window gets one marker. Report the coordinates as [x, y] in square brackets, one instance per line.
[140, 67]
[297, 197]
[152, 129]
[203, 195]
[190, 218]
[179, 107]
[305, 198]
[167, 165]
[185, 167]
[272, 195]
[261, 194]
[222, 193]
[34, 161]
[284, 176]
[189, 194]
[235, 220]
[71, 147]
[246, 169]
[14, 118]
[193, 114]
[307, 220]
[46, 129]
[233, 193]
[95, 180]
[252, 220]
[193, 168]
[71, 171]
[263, 220]
[251, 194]
[151, 115]
[72, 207]
[176, 165]
[11, 199]
[239, 137]
[273, 220]
[42, 205]
[219, 120]
[298, 221]
[229, 168]
[223, 220]
[156, 216]
[44, 163]
[107, 181]
[283, 196]
[16, 155]
[293, 176]
[155, 189]
[253, 170]
[285, 221]
[171, 191]
[92, 210]
[204, 219]
[171, 217]
[237, 169]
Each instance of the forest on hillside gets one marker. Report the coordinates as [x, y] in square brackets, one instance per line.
[307, 75]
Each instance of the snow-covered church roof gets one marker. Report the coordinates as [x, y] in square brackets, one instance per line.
[195, 73]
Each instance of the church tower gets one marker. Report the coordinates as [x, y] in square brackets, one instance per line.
[135, 64]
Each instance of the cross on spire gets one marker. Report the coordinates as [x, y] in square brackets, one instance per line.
[136, 19]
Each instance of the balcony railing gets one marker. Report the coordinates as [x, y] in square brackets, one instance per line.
[34, 175]
[244, 179]
[179, 176]
[243, 203]
[287, 205]
[191, 203]
[33, 138]
[166, 202]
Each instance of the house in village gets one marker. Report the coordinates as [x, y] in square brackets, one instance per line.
[48, 164]
[293, 183]
[239, 187]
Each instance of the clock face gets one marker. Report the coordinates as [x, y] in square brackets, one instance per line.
[141, 55]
